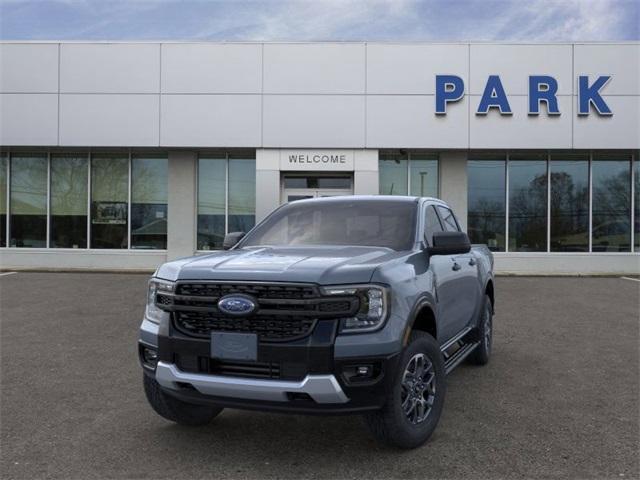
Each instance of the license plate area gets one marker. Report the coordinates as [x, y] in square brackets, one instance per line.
[234, 346]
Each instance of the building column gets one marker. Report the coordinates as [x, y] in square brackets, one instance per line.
[182, 208]
[365, 176]
[267, 182]
[453, 183]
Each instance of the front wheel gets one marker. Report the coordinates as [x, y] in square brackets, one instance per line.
[415, 402]
[176, 410]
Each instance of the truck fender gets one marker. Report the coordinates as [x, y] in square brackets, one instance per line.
[422, 302]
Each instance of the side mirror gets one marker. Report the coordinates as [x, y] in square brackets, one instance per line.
[231, 239]
[449, 243]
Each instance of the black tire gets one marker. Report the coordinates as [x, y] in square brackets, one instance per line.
[482, 353]
[176, 410]
[391, 425]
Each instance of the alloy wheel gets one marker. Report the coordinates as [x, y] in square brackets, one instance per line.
[418, 388]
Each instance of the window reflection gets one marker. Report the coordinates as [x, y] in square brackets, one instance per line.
[636, 190]
[487, 202]
[569, 203]
[4, 161]
[611, 230]
[424, 175]
[212, 173]
[28, 201]
[528, 203]
[242, 194]
[393, 173]
[69, 178]
[149, 194]
[109, 197]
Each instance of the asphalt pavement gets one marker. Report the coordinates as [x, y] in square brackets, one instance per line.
[559, 399]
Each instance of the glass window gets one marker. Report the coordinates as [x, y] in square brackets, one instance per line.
[449, 221]
[424, 175]
[28, 225]
[611, 213]
[69, 178]
[393, 173]
[486, 199]
[242, 194]
[432, 224]
[569, 203]
[109, 197]
[341, 221]
[528, 203]
[212, 173]
[3, 199]
[636, 189]
[149, 194]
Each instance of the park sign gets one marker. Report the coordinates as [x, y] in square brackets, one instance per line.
[542, 90]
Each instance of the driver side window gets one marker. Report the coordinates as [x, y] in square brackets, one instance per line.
[431, 224]
[448, 220]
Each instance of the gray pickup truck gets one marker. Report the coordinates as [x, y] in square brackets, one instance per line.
[359, 304]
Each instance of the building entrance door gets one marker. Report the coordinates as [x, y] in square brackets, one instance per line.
[299, 187]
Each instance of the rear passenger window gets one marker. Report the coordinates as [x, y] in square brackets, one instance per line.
[431, 224]
[448, 220]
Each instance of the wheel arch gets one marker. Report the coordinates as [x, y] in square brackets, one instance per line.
[490, 291]
[423, 318]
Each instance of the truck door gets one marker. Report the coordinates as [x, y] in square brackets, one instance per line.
[447, 280]
[467, 293]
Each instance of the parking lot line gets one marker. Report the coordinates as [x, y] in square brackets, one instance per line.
[632, 279]
[7, 273]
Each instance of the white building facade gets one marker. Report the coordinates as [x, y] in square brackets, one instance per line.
[124, 155]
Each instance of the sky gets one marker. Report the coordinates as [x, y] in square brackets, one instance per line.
[321, 20]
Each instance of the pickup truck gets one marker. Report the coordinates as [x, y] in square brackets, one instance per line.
[353, 304]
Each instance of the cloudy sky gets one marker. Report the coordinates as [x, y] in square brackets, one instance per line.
[281, 20]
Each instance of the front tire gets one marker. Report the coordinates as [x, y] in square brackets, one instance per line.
[415, 402]
[176, 410]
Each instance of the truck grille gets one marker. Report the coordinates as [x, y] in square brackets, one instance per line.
[284, 311]
[273, 328]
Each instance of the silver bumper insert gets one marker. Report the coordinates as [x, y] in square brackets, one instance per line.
[321, 388]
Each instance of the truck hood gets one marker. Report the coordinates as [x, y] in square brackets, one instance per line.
[321, 265]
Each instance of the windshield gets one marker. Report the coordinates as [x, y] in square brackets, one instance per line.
[375, 223]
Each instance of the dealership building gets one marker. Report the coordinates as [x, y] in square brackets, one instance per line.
[125, 155]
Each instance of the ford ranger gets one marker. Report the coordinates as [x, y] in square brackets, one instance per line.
[358, 304]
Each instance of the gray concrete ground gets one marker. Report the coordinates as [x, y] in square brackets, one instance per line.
[559, 398]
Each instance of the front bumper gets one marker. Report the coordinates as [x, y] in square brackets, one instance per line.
[320, 388]
[310, 379]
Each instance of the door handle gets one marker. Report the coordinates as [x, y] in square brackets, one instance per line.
[472, 262]
[456, 266]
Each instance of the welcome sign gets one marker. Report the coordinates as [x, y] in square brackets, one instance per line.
[317, 160]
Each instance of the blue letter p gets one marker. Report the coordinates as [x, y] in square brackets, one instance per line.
[449, 88]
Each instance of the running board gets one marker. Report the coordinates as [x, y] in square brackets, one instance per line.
[454, 360]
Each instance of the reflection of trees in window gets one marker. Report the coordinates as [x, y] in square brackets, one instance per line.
[569, 206]
[68, 202]
[109, 197]
[28, 222]
[3, 200]
[149, 194]
[486, 202]
[611, 206]
[636, 203]
[527, 206]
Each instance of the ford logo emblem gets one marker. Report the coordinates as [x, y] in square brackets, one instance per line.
[237, 305]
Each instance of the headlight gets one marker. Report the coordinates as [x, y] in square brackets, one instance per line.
[152, 312]
[374, 300]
